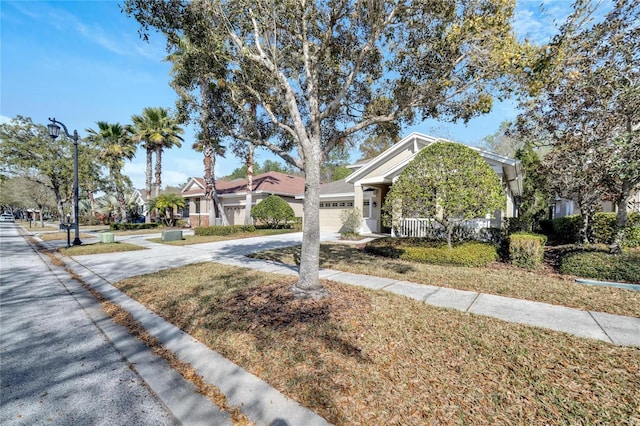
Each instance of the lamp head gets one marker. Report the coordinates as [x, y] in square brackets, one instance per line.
[54, 129]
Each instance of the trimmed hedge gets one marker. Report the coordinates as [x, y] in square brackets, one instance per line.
[603, 266]
[566, 230]
[438, 253]
[604, 229]
[526, 250]
[132, 226]
[273, 211]
[205, 231]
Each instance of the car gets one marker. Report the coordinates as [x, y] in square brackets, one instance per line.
[7, 217]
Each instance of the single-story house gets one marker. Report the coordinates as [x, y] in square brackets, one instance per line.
[561, 207]
[370, 181]
[366, 187]
[233, 194]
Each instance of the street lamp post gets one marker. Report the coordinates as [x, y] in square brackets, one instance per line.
[54, 132]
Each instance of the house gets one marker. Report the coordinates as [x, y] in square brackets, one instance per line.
[366, 188]
[368, 185]
[232, 195]
[561, 207]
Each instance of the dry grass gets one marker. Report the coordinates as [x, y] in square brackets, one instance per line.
[370, 357]
[201, 239]
[99, 248]
[500, 279]
[61, 235]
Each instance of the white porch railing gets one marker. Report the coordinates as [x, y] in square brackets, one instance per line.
[421, 227]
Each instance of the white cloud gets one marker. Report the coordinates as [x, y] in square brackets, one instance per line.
[4, 119]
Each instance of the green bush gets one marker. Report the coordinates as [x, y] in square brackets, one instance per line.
[132, 226]
[351, 221]
[434, 252]
[273, 211]
[566, 230]
[526, 250]
[206, 231]
[465, 254]
[603, 266]
[603, 229]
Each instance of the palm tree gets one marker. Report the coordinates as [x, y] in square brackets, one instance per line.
[115, 147]
[191, 70]
[166, 204]
[156, 130]
[211, 148]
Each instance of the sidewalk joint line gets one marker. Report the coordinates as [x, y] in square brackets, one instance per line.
[472, 302]
[601, 327]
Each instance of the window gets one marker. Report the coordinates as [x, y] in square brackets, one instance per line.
[197, 203]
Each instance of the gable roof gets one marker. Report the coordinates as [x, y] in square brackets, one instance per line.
[387, 166]
[270, 182]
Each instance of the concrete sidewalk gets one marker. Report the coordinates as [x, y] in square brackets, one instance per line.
[57, 364]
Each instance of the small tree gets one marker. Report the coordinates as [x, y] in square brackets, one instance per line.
[351, 222]
[448, 183]
[273, 211]
[166, 204]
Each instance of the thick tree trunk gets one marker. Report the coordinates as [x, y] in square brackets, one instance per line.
[249, 193]
[308, 285]
[148, 177]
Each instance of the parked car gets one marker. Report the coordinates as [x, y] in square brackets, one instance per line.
[7, 217]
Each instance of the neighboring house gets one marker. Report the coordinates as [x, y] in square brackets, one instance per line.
[233, 193]
[561, 207]
[141, 203]
[368, 185]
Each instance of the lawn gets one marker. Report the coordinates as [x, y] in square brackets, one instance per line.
[98, 248]
[371, 357]
[201, 239]
[62, 235]
[499, 279]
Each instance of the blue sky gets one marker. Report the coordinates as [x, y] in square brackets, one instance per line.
[83, 61]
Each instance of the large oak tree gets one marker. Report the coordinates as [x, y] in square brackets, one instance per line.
[303, 77]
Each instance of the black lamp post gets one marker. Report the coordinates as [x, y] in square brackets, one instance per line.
[54, 132]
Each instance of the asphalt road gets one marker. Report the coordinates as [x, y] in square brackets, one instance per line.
[56, 366]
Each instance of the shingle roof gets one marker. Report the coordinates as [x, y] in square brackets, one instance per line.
[270, 182]
[336, 187]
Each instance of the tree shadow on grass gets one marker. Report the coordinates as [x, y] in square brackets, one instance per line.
[304, 343]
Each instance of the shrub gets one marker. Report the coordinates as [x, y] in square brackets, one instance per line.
[465, 254]
[603, 229]
[603, 266]
[526, 250]
[566, 230]
[351, 221]
[425, 251]
[132, 226]
[205, 231]
[273, 211]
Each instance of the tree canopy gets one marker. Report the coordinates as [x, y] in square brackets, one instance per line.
[26, 150]
[448, 183]
[586, 103]
[305, 77]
